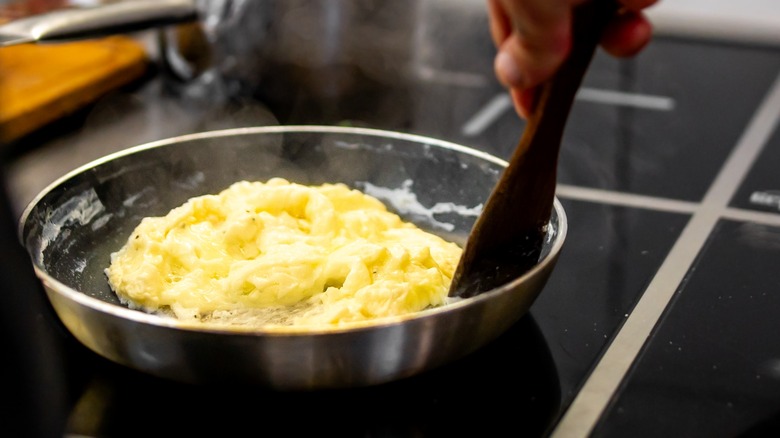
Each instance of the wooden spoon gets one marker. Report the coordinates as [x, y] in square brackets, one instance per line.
[507, 238]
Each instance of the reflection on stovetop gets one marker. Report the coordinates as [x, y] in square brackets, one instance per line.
[646, 139]
[510, 387]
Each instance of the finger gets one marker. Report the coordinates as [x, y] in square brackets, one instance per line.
[524, 101]
[526, 62]
[499, 22]
[541, 24]
[637, 5]
[534, 17]
[627, 34]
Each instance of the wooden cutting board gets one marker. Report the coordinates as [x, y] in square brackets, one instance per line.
[40, 83]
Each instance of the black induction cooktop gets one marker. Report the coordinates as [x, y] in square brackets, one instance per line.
[661, 318]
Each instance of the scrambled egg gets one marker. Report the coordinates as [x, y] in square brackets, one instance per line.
[280, 253]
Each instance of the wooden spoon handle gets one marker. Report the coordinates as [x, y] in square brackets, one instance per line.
[507, 237]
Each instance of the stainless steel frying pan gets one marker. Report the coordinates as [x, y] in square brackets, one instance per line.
[72, 227]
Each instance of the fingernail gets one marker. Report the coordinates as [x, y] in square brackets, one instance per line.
[507, 70]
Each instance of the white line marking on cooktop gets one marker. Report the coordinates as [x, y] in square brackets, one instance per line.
[487, 115]
[591, 401]
[450, 77]
[620, 98]
[600, 196]
[624, 199]
[500, 103]
[758, 217]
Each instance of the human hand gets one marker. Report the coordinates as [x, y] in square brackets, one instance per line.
[533, 37]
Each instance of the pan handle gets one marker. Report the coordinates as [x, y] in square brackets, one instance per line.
[114, 18]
